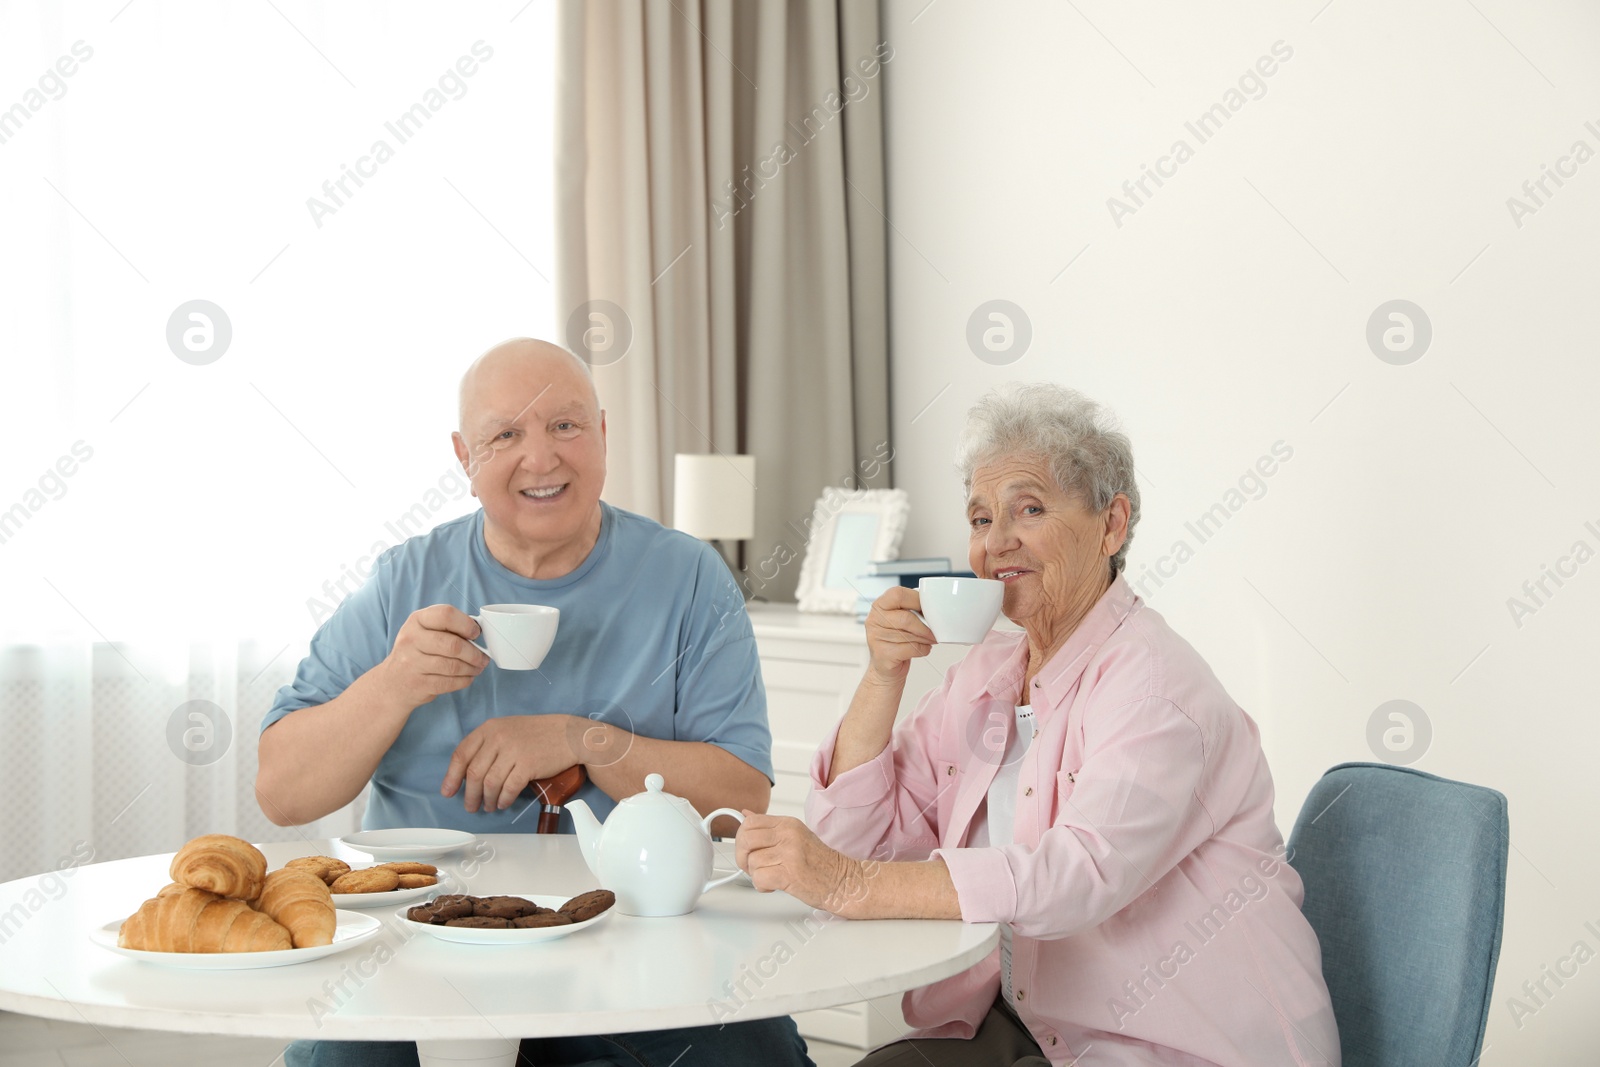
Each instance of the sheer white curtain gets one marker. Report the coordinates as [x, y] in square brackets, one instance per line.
[360, 194]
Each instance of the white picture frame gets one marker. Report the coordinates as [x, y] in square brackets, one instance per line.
[848, 529]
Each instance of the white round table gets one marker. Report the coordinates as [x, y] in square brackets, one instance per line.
[740, 955]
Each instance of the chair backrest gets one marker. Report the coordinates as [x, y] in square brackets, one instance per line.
[1405, 877]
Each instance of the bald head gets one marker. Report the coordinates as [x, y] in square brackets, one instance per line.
[521, 369]
[533, 442]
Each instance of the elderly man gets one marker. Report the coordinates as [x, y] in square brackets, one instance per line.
[653, 670]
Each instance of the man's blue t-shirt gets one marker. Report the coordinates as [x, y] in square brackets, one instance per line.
[653, 638]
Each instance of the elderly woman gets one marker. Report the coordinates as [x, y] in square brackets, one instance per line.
[1086, 783]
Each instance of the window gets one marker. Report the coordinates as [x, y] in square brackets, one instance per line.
[249, 248]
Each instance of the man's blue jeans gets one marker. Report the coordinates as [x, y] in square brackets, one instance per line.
[768, 1042]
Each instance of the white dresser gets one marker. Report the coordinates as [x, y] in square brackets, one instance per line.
[811, 665]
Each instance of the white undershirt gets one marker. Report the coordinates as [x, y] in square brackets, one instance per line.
[998, 825]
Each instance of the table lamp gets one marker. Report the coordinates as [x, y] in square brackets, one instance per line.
[714, 498]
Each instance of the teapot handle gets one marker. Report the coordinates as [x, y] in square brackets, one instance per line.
[705, 824]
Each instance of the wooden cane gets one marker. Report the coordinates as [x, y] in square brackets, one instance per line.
[554, 792]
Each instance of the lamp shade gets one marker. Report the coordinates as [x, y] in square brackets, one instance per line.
[714, 497]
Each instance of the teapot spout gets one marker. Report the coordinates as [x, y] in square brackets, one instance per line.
[589, 830]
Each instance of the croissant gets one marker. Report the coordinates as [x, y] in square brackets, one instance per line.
[184, 919]
[220, 864]
[301, 903]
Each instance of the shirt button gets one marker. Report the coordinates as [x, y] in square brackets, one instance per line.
[1051, 1039]
[1028, 792]
[1038, 684]
[949, 770]
[1021, 994]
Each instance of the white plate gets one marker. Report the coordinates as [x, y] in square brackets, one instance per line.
[363, 901]
[351, 930]
[467, 935]
[416, 843]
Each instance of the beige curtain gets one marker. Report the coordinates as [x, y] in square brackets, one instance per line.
[720, 244]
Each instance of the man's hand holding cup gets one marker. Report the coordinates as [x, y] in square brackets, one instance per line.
[433, 654]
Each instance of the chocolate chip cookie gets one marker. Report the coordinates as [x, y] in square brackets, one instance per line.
[410, 867]
[481, 922]
[367, 880]
[586, 906]
[424, 913]
[325, 867]
[503, 907]
[417, 881]
[442, 909]
[545, 917]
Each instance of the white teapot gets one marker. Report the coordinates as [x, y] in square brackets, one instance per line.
[654, 851]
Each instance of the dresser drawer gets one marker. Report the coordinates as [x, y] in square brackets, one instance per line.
[789, 794]
[851, 653]
[798, 676]
[805, 700]
[792, 757]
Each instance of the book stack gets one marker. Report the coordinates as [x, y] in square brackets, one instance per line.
[884, 574]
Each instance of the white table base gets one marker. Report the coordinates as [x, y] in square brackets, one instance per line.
[492, 1053]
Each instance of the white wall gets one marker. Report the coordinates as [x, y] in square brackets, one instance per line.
[1229, 311]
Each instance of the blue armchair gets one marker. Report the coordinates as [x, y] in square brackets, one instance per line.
[1405, 877]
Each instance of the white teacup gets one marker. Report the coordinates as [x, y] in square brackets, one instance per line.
[960, 611]
[518, 635]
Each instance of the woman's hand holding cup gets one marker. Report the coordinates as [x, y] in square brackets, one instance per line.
[896, 635]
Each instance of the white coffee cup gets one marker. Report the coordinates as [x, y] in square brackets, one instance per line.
[518, 635]
[960, 611]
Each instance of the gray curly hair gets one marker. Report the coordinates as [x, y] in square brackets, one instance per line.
[1089, 456]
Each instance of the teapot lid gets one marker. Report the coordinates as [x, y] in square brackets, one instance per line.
[655, 793]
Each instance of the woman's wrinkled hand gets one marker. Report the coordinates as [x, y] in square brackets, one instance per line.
[895, 636]
[779, 852]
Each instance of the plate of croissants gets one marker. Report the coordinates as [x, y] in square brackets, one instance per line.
[225, 911]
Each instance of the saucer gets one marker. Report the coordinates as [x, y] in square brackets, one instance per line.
[415, 843]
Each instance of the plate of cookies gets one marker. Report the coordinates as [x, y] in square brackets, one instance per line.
[395, 882]
[415, 843]
[509, 920]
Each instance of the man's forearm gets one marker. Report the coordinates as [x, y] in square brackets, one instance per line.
[316, 760]
[703, 774]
